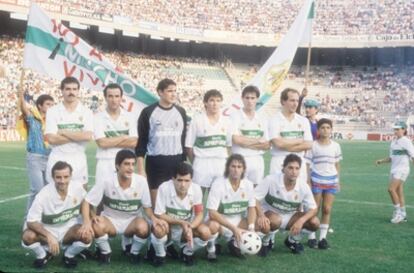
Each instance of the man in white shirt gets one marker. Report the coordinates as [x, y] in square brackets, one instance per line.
[180, 204]
[208, 139]
[53, 220]
[249, 134]
[114, 129]
[280, 197]
[231, 204]
[125, 196]
[289, 132]
[69, 127]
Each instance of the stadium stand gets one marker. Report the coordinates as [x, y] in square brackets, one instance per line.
[332, 17]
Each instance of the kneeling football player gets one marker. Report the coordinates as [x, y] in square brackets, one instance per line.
[125, 196]
[231, 204]
[180, 204]
[280, 197]
[54, 219]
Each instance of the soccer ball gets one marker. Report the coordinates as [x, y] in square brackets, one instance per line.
[250, 243]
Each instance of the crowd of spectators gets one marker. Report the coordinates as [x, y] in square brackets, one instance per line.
[146, 70]
[374, 95]
[332, 17]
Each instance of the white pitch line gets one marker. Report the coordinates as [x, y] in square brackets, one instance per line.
[14, 198]
[24, 169]
[368, 203]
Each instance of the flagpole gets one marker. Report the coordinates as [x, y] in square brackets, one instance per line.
[21, 89]
[308, 60]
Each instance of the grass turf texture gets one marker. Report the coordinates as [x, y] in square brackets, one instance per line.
[363, 239]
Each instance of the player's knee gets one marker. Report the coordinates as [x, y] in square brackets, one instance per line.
[98, 229]
[141, 229]
[29, 237]
[159, 232]
[313, 224]
[326, 210]
[214, 227]
[275, 223]
[204, 232]
[86, 239]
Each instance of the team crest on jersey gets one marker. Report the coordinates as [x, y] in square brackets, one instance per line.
[135, 194]
[176, 123]
[172, 202]
[75, 201]
[80, 118]
[126, 124]
[277, 192]
[225, 197]
[113, 192]
[191, 203]
[243, 195]
[222, 129]
[300, 126]
[296, 197]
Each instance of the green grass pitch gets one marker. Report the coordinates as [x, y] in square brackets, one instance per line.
[363, 239]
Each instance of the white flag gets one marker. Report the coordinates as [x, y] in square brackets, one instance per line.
[271, 75]
[54, 50]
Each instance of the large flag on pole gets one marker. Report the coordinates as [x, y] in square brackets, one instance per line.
[271, 75]
[54, 50]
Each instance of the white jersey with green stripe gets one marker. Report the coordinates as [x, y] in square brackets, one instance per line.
[169, 203]
[229, 203]
[209, 140]
[242, 125]
[49, 209]
[401, 152]
[80, 120]
[106, 127]
[118, 202]
[281, 127]
[273, 196]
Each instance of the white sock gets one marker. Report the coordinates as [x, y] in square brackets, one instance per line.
[272, 235]
[402, 210]
[137, 244]
[125, 241]
[295, 238]
[397, 207]
[198, 243]
[312, 236]
[37, 248]
[266, 238]
[75, 248]
[159, 245]
[211, 243]
[324, 231]
[103, 244]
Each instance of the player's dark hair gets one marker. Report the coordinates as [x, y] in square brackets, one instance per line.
[292, 158]
[230, 159]
[42, 99]
[284, 96]
[122, 155]
[212, 93]
[61, 165]
[324, 121]
[68, 80]
[251, 89]
[182, 169]
[113, 86]
[163, 84]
